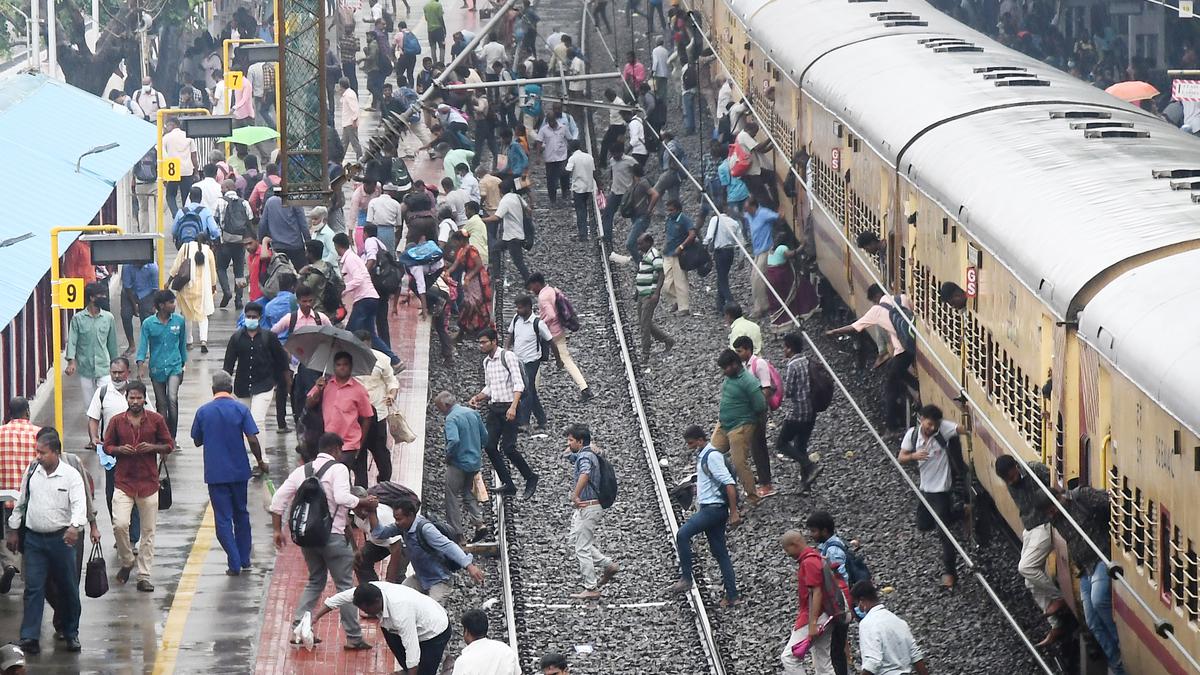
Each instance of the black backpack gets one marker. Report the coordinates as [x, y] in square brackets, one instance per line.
[728, 467]
[386, 275]
[856, 567]
[146, 169]
[606, 486]
[310, 521]
[902, 318]
[234, 220]
[448, 532]
[820, 386]
[543, 345]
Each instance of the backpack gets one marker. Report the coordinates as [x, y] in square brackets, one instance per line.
[386, 275]
[421, 254]
[411, 45]
[309, 521]
[234, 221]
[739, 163]
[276, 268]
[448, 532]
[329, 292]
[856, 567]
[190, 227]
[146, 169]
[530, 231]
[543, 345]
[294, 317]
[834, 601]
[820, 386]
[776, 398]
[606, 485]
[567, 318]
[728, 467]
[251, 181]
[902, 318]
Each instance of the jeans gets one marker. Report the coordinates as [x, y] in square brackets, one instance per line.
[940, 501]
[502, 435]
[48, 557]
[584, 522]
[383, 312]
[176, 188]
[711, 520]
[432, 649]
[459, 486]
[896, 381]
[758, 451]
[723, 259]
[334, 559]
[557, 178]
[123, 505]
[516, 251]
[362, 317]
[600, 15]
[792, 441]
[482, 140]
[637, 227]
[232, 521]
[166, 400]
[531, 405]
[608, 214]
[646, 306]
[1095, 589]
[405, 64]
[374, 444]
[650, 17]
[689, 112]
[135, 519]
[583, 203]
[348, 69]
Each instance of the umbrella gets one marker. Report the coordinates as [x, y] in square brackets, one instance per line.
[316, 346]
[251, 135]
[1133, 90]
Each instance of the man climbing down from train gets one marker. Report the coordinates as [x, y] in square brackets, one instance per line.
[1037, 539]
[896, 379]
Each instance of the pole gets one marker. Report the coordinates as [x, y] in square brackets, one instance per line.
[533, 80]
[52, 37]
[161, 192]
[56, 310]
[96, 16]
[35, 34]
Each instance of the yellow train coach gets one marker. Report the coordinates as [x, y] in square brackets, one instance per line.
[1066, 214]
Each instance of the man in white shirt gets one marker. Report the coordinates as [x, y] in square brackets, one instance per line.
[176, 145]
[149, 99]
[384, 213]
[349, 113]
[554, 139]
[884, 639]
[489, 53]
[636, 137]
[510, 213]
[934, 446]
[724, 233]
[529, 338]
[467, 181]
[577, 88]
[483, 655]
[455, 199]
[660, 68]
[52, 510]
[210, 189]
[375, 549]
[582, 169]
[414, 625]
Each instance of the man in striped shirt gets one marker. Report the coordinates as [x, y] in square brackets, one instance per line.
[649, 282]
[503, 383]
[798, 425]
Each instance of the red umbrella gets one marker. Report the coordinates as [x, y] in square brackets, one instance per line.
[1133, 90]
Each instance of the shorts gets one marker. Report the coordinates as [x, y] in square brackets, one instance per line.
[437, 35]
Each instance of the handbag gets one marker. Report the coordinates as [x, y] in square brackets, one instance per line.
[183, 277]
[25, 512]
[801, 648]
[696, 257]
[95, 583]
[398, 427]
[601, 199]
[164, 485]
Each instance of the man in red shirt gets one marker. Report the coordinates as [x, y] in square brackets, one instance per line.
[257, 259]
[813, 615]
[18, 449]
[345, 408]
[136, 437]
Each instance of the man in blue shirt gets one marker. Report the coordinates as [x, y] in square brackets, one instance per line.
[284, 228]
[164, 340]
[138, 283]
[516, 160]
[716, 498]
[208, 224]
[465, 433]
[681, 232]
[429, 551]
[761, 222]
[219, 427]
[585, 498]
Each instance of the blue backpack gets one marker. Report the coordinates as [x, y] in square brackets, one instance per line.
[421, 254]
[189, 227]
[411, 45]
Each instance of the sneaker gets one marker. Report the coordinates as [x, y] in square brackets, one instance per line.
[7, 579]
[680, 587]
[145, 586]
[586, 395]
[609, 573]
[73, 644]
[531, 487]
[203, 347]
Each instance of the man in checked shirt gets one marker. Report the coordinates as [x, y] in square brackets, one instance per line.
[18, 449]
[801, 418]
[503, 383]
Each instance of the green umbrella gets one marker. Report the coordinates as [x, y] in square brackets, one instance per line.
[251, 135]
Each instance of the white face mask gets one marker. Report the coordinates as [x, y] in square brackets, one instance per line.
[146, 88]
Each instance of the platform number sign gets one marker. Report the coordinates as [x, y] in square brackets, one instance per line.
[169, 169]
[70, 293]
[972, 282]
[233, 80]
[835, 159]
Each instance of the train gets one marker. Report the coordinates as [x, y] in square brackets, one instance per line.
[1070, 218]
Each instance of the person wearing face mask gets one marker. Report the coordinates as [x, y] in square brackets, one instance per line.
[149, 99]
[884, 639]
[257, 361]
[92, 340]
[108, 402]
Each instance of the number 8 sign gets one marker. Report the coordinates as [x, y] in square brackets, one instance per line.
[170, 169]
[70, 293]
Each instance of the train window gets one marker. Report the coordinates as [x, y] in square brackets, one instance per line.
[1059, 447]
[1173, 588]
[1190, 577]
[1138, 527]
[1151, 538]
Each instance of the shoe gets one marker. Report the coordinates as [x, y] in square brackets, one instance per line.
[145, 586]
[283, 428]
[608, 574]
[357, 646]
[508, 489]
[59, 636]
[1058, 605]
[294, 641]
[680, 587]
[31, 647]
[7, 579]
[809, 474]
[524, 428]
[684, 312]
[669, 347]
[765, 491]
[1057, 633]
[948, 581]
[586, 594]
[726, 603]
[123, 574]
[233, 573]
[73, 645]
[225, 301]
[480, 534]
[531, 487]
[237, 303]
[586, 395]
[203, 347]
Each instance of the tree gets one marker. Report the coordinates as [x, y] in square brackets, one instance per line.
[90, 69]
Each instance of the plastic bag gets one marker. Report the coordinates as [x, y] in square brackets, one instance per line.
[302, 634]
[801, 648]
[398, 427]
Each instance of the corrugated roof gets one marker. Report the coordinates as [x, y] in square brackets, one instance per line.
[45, 125]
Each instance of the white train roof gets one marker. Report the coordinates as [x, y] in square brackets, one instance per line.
[1144, 322]
[1056, 202]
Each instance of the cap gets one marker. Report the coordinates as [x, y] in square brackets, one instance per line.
[11, 655]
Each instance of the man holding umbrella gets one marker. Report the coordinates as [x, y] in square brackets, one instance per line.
[344, 403]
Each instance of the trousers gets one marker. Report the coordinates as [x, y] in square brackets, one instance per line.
[560, 341]
[582, 201]
[611, 204]
[459, 486]
[259, 405]
[1036, 545]
[335, 559]
[350, 138]
[362, 317]
[820, 651]
[646, 306]
[792, 441]
[130, 307]
[1095, 589]
[758, 451]
[227, 255]
[557, 179]
[135, 520]
[232, 519]
[516, 250]
[531, 404]
[758, 287]
[738, 444]
[582, 536]
[502, 437]
[723, 261]
[47, 557]
[432, 650]
[941, 502]
[675, 282]
[711, 519]
[147, 508]
[374, 444]
[638, 225]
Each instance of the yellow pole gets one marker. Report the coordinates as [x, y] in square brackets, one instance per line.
[225, 70]
[160, 185]
[56, 311]
[279, 34]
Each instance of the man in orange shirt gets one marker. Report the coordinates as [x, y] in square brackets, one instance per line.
[18, 449]
[345, 407]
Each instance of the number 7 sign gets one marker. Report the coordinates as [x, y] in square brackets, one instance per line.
[233, 80]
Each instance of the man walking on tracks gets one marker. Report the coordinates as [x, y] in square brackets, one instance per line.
[716, 499]
[742, 406]
[933, 444]
[465, 434]
[503, 384]
[585, 497]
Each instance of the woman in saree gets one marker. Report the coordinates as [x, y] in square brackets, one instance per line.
[788, 279]
[475, 289]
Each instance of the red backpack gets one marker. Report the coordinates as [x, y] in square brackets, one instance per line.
[739, 160]
[776, 398]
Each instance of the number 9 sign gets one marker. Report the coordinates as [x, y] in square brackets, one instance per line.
[70, 293]
[170, 169]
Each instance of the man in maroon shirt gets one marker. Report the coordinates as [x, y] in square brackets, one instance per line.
[136, 437]
[345, 408]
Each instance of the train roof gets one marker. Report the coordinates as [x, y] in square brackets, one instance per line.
[1056, 202]
[1143, 323]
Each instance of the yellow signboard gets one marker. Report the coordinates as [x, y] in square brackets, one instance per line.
[169, 169]
[70, 293]
[233, 80]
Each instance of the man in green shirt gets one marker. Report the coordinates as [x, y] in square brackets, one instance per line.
[435, 21]
[164, 336]
[649, 281]
[742, 404]
[92, 340]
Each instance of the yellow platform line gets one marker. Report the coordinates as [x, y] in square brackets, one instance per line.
[181, 605]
